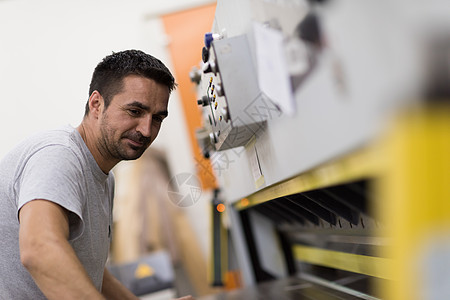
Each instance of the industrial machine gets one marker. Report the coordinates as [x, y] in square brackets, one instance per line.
[331, 121]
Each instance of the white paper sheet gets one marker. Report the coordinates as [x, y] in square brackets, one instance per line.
[273, 75]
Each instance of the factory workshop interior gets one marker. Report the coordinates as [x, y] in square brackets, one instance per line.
[307, 152]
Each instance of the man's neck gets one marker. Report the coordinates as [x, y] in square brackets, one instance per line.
[91, 142]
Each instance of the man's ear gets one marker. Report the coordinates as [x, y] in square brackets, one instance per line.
[96, 104]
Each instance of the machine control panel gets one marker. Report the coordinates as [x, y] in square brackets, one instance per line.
[232, 103]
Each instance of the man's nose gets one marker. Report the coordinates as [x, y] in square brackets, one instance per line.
[145, 126]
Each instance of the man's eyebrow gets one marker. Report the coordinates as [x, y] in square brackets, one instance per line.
[138, 105]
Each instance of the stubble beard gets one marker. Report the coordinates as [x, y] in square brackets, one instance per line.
[120, 149]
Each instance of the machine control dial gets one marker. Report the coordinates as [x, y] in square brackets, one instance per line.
[204, 101]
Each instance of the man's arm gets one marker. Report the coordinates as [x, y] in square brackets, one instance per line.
[112, 288]
[47, 255]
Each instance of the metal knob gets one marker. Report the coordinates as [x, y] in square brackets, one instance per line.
[219, 90]
[195, 75]
[204, 101]
[209, 67]
[225, 114]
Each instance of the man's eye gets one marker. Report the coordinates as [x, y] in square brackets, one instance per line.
[158, 119]
[134, 112]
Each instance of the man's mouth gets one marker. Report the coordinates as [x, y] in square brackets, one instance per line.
[136, 140]
[135, 143]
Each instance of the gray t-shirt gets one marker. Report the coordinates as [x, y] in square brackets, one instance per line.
[56, 166]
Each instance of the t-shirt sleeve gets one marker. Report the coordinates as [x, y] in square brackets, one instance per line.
[55, 174]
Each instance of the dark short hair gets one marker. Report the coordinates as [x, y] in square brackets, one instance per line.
[108, 76]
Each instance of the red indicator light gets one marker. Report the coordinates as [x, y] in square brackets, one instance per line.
[220, 207]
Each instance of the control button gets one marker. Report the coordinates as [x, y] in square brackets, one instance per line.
[225, 114]
[215, 105]
[209, 67]
[205, 54]
[208, 39]
[195, 75]
[212, 89]
[219, 90]
[214, 98]
[214, 67]
[204, 101]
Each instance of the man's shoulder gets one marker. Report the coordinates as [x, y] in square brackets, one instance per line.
[59, 143]
[63, 136]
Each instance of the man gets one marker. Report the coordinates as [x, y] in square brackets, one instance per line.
[56, 188]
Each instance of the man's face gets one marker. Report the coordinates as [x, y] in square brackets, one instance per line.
[132, 120]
